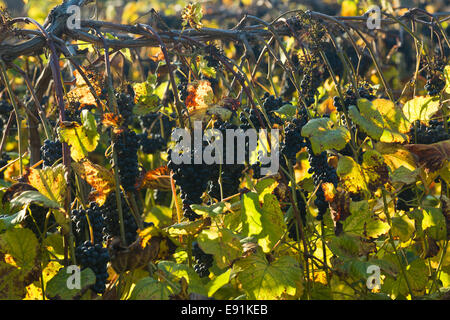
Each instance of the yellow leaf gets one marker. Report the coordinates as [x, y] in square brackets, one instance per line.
[50, 182]
[98, 177]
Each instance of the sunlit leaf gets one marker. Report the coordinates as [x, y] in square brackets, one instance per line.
[264, 280]
[324, 137]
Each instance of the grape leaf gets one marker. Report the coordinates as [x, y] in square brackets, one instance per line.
[351, 175]
[50, 182]
[264, 280]
[368, 118]
[82, 138]
[223, 244]
[324, 137]
[266, 222]
[434, 221]
[22, 245]
[57, 286]
[363, 222]
[421, 108]
[98, 177]
[150, 289]
[182, 270]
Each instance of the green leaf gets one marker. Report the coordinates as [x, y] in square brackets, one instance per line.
[351, 175]
[394, 119]
[264, 280]
[82, 138]
[185, 228]
[22, 245]
[434, 221]
[265, 186]
[324, 137]
[421, 108]
[57, 286]
[403, 227]
[150, 289]
[286, 112]
[28, 197]
[223, 244]
[159, 215]
[344, 246]
[363, 222]
[182, 270]
[404, 175]
[218, 282]
[9, 221]
[395, 156]
[447, 78]
[265, 223]
[367, 118]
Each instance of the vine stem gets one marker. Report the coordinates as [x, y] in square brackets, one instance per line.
[391, 240]
[16, 111]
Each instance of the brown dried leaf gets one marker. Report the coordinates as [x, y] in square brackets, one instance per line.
[432, 156]
[158, 178]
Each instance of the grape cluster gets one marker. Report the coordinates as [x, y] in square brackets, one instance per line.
[51, 151]
[427, 134]
[322, 173]
[5, 110]
[435, 83]
[192, 179]
[270, 104]
[404, 199]
[228, 174]
[126, 145]
[350, 97]
[94, 257]
[435, 77]
[157, 123]
[3, 162]
[150, 145]
[203, 261]
[80, 224]
[111, 220]
[293, 140]
[125, 104]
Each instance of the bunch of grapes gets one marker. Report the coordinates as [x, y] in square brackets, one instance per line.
[322, 173]
[427, 134]
[293, 140]
[270, 104]
[435, 77]
[111, 220]
[192, 179]
[80, 223]
[126, 144]
[5, 110]
[351, 98]
[150, 145]
[157, 123]
[51, 152]
[125, 104]
[203, 261]
[229, 174]
[94, 257]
